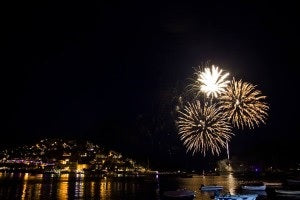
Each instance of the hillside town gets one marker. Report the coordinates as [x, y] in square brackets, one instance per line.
[58, 156]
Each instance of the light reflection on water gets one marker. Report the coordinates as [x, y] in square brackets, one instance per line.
[229, 182]
[26, 186]
[62, 189]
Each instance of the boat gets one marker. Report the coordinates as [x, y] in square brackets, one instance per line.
[211, 187]
[288, 192]
[237, 197]
[179, 194]
[253, 187]
[186, 175]
[258, 192]
[293, 181]
[272, 184]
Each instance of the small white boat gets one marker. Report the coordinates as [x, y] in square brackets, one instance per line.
[248, 187]
[237, 197]
[179, 194]
[288, 192]
[211, 188]
[272, 184]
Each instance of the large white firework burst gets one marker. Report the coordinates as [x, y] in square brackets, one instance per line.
[203, 128]
[211, 81]
[243, 104]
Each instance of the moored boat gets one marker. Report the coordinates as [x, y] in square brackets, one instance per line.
[272, 184]
[252, 187]
[237, 197]
[179, 194]
[258, 192]
[293, 181]
[288, 192]
[186, 175]
[211, 187]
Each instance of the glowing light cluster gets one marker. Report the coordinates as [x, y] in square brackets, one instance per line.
[203, 128]
[244, 104]
[212, 81]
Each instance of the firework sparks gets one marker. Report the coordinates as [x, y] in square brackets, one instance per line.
[244, 104]
[212, 81]
[203, 128]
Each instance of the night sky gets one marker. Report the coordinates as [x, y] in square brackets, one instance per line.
[108, 72]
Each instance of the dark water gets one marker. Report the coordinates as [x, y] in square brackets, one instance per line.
[27, 186]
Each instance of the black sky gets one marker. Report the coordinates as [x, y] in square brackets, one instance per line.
[107, 71]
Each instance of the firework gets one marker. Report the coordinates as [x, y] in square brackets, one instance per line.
[212, 81]
[243, 104]
[203, 128]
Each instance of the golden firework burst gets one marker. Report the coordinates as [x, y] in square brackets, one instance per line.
[243, 104]
[203, 128]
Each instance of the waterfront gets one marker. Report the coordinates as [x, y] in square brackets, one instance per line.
[65, 186]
